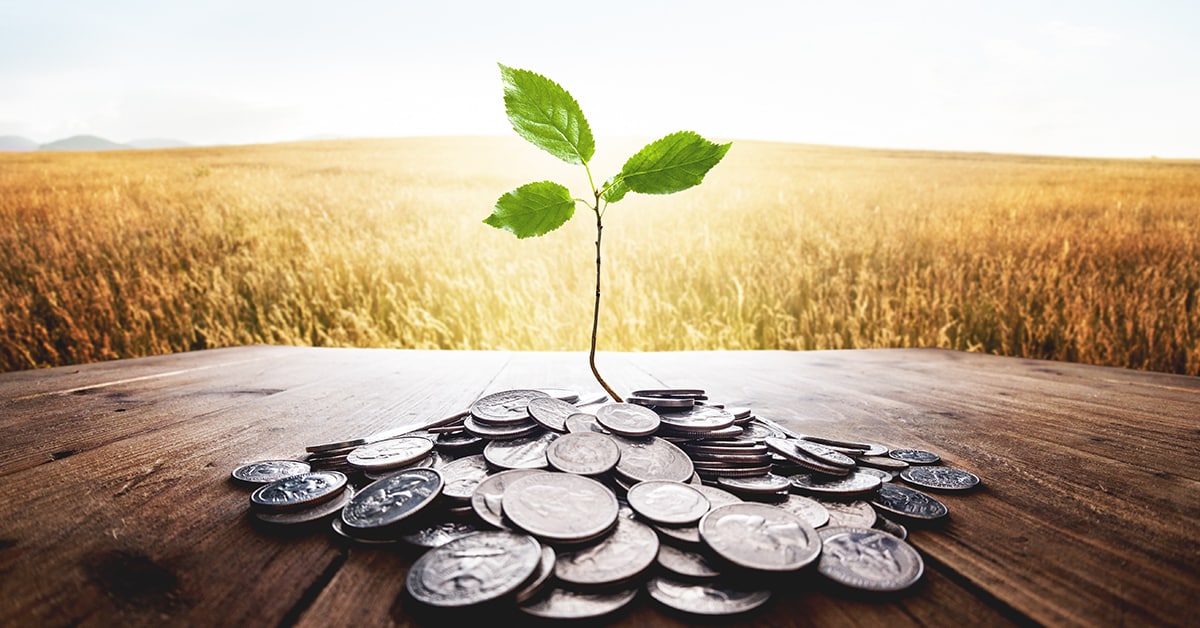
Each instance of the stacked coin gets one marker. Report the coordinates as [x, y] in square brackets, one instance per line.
[527, 500]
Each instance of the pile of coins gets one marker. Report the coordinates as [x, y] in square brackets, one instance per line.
[527, 499]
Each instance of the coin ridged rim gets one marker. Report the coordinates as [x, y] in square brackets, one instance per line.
[898, 550]
[508, 542]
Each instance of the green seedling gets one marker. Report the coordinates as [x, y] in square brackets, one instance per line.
[544, 113]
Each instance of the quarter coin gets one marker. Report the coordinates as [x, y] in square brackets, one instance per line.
[439, 534]
[704, 598]
[915, 456]
[488, 496]
[392, 499]
[653, 459]
[560, 507]
[551, 413]
[870, 560]
[667, 502]
[298, 491]
[390, 454]
[624, 554]
[704, 419]
[906, 502]
[462, 475]
[474, 569]
[810, 510]
[505, 406]
[541, 578]
[583, 453]
[684, 563]
[856, 483]
[566, 604]
[314, 513]
[760, 536]
[940, 478]
[857, 513]
[584, 422]
[767, 484]
[526, 452]
[267, 471]
[627, 419]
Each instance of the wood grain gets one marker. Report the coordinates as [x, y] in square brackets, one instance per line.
[118, 507]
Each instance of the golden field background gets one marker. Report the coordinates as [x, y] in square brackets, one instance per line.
[379, 243]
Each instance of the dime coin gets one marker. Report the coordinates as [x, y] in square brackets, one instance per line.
[565, 604]
[560, 507]
[760, 537]
[858, 513]
[474, 569]
[584, 422]
[653, 459]
[267, 471]
[551, 413]
[505, 406]
[488, 496]
[915, 456]
[757, 484]
[319, 511]
[392, 499]
[871, 560]
[542, 577]
[527, 452]
[439, 534]
[810, 510]
[856, 483]
[684, 563]
[583, 453]
[940, 478]
[626, 553]
[906, 502]
[298, 491]
[704, 598]
[463, 475]
[667, 502]
[627, 419]
[390, 454]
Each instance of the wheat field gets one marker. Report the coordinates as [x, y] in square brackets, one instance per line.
[380, 243]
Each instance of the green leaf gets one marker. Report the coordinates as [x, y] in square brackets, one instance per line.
[671, 164]
[542, 112]
[533, 209]
[614, 191]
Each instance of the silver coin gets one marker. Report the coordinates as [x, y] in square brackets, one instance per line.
[337, 445]
[667, 502]
[684, 563]
[906, 502]
[756, 484]
[540, 578]
[757, 431]
[561, 394]
[735, 446]
[487, 499]
[718, 470]
[506, 406]
[668, 403]
[566, 604]
[760, 537]
[823, 453]
[885, 463]
[551, 413]
[704, 419]
[653, 459]
[314, 513]
[474, 569]
[463, 475]
[915, 456]
[267, 471]
[786, 447]
[624, 554]
[340, 528]
[856, 483]
[837, 442]
[298, 491]
[439, 533]
[871, 560]
[856, 514]
[392, 453]
[940, 478]
[884, 476]
[526, 452]
[584, 422]
[810, 510]
[892, 528]
[669, 392]
[704, 598]
[455, 442]
[690, 535]
[560, 507]
[514, 429]
[627, 419]
[583, 453]
[733, 459]
[392, 499]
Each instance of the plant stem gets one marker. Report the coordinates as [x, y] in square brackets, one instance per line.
[596, 309]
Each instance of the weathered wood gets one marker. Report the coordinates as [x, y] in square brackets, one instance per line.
[119, 509]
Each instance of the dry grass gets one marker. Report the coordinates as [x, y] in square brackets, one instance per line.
[380, 243]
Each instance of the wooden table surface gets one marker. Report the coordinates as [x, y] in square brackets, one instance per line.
[118, 508]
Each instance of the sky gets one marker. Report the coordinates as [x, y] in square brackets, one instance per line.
[1108, 79]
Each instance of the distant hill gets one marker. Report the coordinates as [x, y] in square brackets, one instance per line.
[84, 142]
[158, 142]
[16, 143]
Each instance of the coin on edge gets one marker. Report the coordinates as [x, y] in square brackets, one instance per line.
[870, 560]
